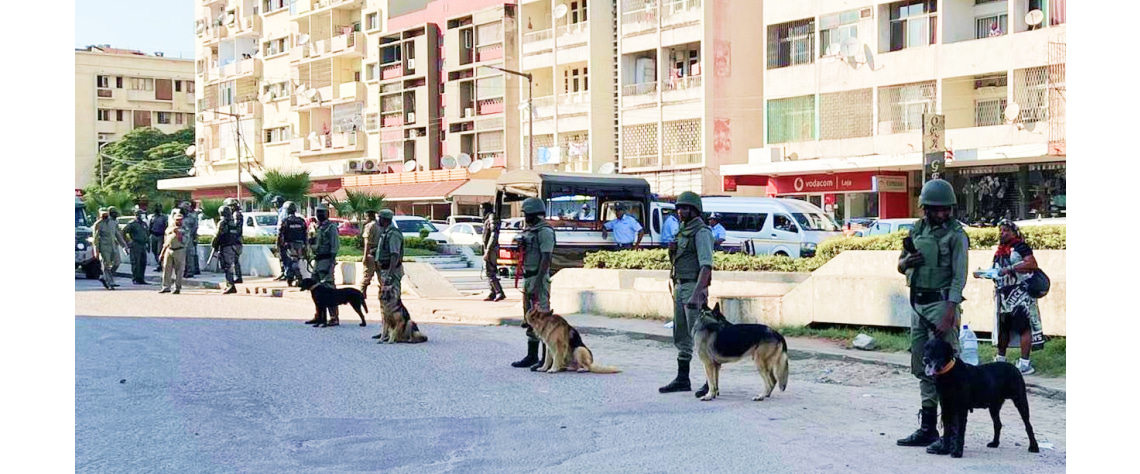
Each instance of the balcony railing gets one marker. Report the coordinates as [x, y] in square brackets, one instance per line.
[644, 88]
[574, 103]
[641, 161]
[538, 36]
[573, 34]
[488, 52]
[334, 142]
[682, 158]
[682, 83]
[680, 11]
[641, 16]
[405, 178]
[105, 93]
[391, 71]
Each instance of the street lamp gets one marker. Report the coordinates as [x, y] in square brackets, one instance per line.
[237, 133]
[529, 107]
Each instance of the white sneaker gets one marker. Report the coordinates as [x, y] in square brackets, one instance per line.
[1026, 369]
[999, 358]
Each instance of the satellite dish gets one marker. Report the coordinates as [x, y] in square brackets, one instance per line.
[313, 135]
[1034, 17]
[850, 47]
[1012, 111]
[199, 27]
[607, 168]
[190, 150]
[488, 162]
[192, 171]
[464, 160]
[561, 10]
[303, 39]
[448, 162]
[313, 95]
[409, 166]
[476, 166]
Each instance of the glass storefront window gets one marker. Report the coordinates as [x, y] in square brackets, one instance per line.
[987, 194]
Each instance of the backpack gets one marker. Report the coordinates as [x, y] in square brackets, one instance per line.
[1038, 284]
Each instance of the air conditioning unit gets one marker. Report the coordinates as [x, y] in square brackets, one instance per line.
[768, 154]
[411, 117]
[105, 137]
[411, 64]
[469, 112]
[370, 166]
[353, 166]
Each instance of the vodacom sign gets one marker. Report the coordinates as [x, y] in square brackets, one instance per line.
[823, 183]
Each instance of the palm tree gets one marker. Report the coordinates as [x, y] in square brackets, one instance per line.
[94, 199]
[210, 207]
[291, 185]
[355, 205]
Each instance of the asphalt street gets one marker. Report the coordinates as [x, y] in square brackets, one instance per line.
[200, 382]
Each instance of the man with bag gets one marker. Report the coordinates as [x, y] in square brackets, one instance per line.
[692, 259]
[935, 269]
[1017, 310]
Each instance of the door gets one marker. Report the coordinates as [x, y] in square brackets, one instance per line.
[784, 235]
[762, 240]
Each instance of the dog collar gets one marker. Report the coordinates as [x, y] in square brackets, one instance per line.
[947, 368]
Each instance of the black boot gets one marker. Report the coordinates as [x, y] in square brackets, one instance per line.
[491, 297]
[681, 383]
[531, 355]
[941, 446]
[927, 432]
[704, 390]
[541, 360]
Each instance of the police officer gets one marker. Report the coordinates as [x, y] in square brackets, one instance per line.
[279, 204]
[389, 258]
[692, 257]
[225, 244]
[719, 234]
[625, 228]
[108, 241]
[157, 232]
[291, 237]
[138, 238]
[670, 227]
[235, 205]
[326, 244]
[173, 254]
[936, 274]
[190, 231]
[491, 253]
[536, 243]
[371, 236]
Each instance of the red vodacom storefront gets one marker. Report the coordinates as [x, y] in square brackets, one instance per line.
[881, 194]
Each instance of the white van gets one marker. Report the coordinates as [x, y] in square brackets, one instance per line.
[773, 226]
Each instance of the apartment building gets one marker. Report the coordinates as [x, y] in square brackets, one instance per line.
[119, 90]
[846, 85]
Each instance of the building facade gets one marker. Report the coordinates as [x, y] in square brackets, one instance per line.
[846, 84]
[118, 90]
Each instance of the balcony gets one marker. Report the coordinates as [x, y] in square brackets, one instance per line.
[640, 18]
[214, 34]
[536, 42]
[331, 143]
[679, 12]
[392, 119]
[543, 107]
[574, 34]
[638, 94]
[104, 126]
[305, 8]
[351, 44]
[141, 95]
[574, 103]
[391, 71]
[237, 69]
[681, 88]
[489, 52]
[248, 25]
[405, 178]
[640, 161]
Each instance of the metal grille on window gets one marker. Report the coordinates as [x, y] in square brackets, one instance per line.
[845, 114]
[901, 107]
[682, 142]
[791, 120]
[989, 26]
[791, 43]
[372, 121]
[639, 146]
[989, 112]
[490, 141]
[1031, 94]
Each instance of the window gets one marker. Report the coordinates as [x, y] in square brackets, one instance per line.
[913, 23]
[372, 21]
[269, 6]
[277, 135]
[742, 222]
[178, 119]
[164, 118]
[791, 120]
[901, 107]
[104, 115]
[791, 44]
[489, 33]
[276, 46]
[189, 87]
[578, 12]
[177, 86]
[815, 221]
[371, 72]
[119, 82]
[118, 115]
[989, 112]
[834, 29]
[276, 90]
[102, 82]
[784, 223]
[142, 84]
[575, 80]
[990, 26]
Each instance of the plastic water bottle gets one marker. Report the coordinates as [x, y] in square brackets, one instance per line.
[968, 341]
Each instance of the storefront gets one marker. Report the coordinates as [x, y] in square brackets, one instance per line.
[843, 196]
[987, 194]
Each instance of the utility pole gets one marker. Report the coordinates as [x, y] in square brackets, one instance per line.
[529, 107]
[238, 143]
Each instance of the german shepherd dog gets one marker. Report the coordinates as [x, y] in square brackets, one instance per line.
[565, 349]
[719, 341]
[963, 387]
[328, 300]
[398, 325]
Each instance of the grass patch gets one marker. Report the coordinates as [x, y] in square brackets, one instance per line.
[353, 254]
[1049, 362]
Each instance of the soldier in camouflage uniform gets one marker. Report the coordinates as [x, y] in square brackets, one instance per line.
[536, 246]
[235, 205]
[371, 237]
[936, 274]
[108, 241]
[692, 257]
[491, 253]
[326, 244]
[190, 231]
[225, 245]
[138, 238]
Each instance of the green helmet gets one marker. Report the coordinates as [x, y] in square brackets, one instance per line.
[533, 206]
[689, 198]
[113, 211]
[386, 214]
[290, 207]
[937, 192]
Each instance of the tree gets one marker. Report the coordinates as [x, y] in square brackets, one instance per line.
[291, 185]
[210, 208]
[93, 200]
[355, 205]
[140, 159]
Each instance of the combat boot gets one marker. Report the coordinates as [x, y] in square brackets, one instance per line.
[531, 355]
[681, 383]
[541, 360]
[941, 446]
[927, 432]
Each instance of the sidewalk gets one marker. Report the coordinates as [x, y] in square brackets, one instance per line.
[208, 280]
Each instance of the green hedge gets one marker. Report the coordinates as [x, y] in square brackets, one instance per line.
[1038, 237]
[346, 241]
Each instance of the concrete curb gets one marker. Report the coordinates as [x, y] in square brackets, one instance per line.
[794, 354]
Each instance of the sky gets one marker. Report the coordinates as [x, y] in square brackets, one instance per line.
[146, 25]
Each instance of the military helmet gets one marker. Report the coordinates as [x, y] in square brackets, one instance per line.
[102, 210]
[937, 192]
[290, 207]
[229, 202]
[278, 200]
[185, 205]
[225, 211]
[689, 198]
[533, 206]
[386, 214]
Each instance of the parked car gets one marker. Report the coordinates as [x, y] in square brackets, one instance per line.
[124, 220]
[452, 220]
[84, 243]
[464, 234]
[774, 226]
[207, 226]
[344, 227]
[410, 226]
[259, 224]
[888, 226]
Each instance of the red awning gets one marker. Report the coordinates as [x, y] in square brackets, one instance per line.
[438, 190]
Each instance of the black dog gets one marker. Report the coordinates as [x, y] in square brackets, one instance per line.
[328, 301]
[963, 387]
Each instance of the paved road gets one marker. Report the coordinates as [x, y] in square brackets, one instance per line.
[214, 393]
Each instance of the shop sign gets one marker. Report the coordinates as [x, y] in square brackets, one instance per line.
[729, 184]
[889, 184]
[324, 186]
[823, 183]
[933, 146]
[988, 169]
